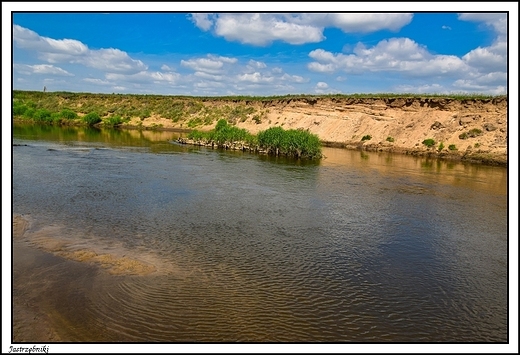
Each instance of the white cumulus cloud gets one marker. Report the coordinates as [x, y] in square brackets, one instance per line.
[322, 85]
[41, 69]
[202, 21]
[261, 29]
[255, 78]
[396, 54]
[210, 64]
[73, 51]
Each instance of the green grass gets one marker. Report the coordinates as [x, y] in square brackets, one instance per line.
[275, 140]
[390, 139]
[292, 142]
[222, 134]
[452, 147]
[366, 138]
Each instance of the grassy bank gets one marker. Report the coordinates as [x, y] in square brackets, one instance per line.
[66, 108]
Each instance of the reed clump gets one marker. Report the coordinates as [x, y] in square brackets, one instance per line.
[274, 141]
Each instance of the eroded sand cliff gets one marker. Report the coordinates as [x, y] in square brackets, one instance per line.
[476, 129]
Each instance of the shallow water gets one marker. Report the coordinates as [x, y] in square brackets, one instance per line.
[359, 247]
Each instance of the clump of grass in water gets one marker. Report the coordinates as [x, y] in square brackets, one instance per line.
[292, 142]
[222, 134]
[275, 140]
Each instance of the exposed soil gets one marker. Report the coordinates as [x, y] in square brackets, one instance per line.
[395, 124]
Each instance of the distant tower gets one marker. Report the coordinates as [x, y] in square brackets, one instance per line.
[44, 89]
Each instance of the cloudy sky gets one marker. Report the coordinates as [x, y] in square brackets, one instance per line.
[260, 53]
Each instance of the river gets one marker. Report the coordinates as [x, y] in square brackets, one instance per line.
[145, 240]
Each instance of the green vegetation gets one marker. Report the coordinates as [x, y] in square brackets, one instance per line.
[222, 134]
[429, 142]
[452, 147]
[472, 133]
[114, 121]
[190, 111]
[68, 114]
[292, 142]
[441, 146]
[390, 139]
[366, 138]
[275, 140]
[42, 115]
[91, 118]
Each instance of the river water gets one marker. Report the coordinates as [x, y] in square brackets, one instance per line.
[358, 247]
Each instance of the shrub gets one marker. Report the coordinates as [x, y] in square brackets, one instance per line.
[429, 142]
[113, 121]
[390, 139]
[144, 114]
[91, 118]
[441, 146]
[29, 113]
[452, 147]
[68, 114]
[42, 115]
[56, 118]
[366, 138]
[19, 109]
[474, 132]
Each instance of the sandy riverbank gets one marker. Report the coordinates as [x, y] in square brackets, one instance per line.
[473, 130]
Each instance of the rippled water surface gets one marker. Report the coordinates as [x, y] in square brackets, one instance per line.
[359, 247]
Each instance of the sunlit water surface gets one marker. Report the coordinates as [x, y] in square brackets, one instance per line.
[358, 247]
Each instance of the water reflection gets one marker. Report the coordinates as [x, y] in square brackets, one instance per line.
[360, 246]
[428, 170]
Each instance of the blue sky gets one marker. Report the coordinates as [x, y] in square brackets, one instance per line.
[261, 54]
